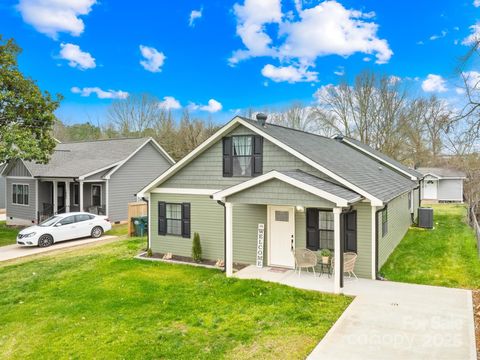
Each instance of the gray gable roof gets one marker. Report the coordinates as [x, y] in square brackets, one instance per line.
[442, 172]
[81, 158]
[352, 165]
[384, 157]
[322, 184]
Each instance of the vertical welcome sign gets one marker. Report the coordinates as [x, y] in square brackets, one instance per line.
[260, 241]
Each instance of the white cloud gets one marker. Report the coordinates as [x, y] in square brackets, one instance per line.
[325, 29]
[76, 57]
[194, 15]
[459, 90]
[170, 103]
[472, 78]
[434, 83]
[474, 35]
[153, 59]
[476, 3]
[212, 106]
[289, 73]
[367, 59]
[340, 71]
[101, 94]
[53, 16]
[442, 34]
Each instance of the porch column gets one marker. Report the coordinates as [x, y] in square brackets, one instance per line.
[67, 196]
[80, 195]
[374, 242]
[338, 272]
[55, 196]
[229, 239]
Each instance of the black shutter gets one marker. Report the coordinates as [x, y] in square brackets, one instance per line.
[313, 240]
[350, 231]
[186, 220]
[162, 218]
[227, 157]
[257, 168]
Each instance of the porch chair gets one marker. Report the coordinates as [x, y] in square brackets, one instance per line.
[349, 259]
[305, 258]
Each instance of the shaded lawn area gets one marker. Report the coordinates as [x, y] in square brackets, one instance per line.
[444, 256]
[8, 235]
[99, 302]
[118, 230]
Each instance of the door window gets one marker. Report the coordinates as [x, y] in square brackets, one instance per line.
[96, 195]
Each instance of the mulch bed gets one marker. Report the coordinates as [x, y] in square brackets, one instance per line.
[187, 259]
[476, 313]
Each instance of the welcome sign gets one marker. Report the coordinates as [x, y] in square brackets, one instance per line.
[260, 241]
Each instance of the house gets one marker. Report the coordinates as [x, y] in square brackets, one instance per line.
[2, 188]
[304, 190]
[442, 185]
[96, 176]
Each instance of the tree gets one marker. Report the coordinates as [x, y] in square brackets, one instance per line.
[26, 113]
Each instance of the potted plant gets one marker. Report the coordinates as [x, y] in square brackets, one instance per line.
[325, 254]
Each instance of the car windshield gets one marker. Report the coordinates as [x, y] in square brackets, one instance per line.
[50, 221]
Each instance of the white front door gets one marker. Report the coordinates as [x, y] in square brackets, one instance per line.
[430, 189]
[281, 236]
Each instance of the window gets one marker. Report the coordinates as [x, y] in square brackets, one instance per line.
[76, 194]
[174, 219]
[67, 221]
[20, 194]
[384, 221]
[242, 155]
[82, 217]
[281, 216]
[326, 229]
[96, 195]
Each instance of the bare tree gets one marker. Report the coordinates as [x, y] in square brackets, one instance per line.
[297, 116]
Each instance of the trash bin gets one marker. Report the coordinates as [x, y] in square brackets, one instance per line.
[140, 224]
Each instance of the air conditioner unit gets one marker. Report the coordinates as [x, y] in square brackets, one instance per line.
[425, 218]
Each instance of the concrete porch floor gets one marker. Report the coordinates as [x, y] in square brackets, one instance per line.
[388, 319]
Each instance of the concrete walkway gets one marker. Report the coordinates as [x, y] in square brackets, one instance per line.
[15, 251]
[389, 320]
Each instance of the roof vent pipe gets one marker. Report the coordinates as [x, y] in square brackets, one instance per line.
[262, 119]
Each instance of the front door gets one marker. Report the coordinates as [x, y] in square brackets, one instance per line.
[430, 189]
[281, 236]
[61, 197]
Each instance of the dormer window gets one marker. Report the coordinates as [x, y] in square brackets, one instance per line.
[242, 156]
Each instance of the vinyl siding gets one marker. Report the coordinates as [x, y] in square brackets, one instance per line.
[2, 192]
[24, 212]
[416, 204]
[399, 221]
[17, 169]
[450, 190]
[99, 175]
[363, 265]
[146, 165]
[277, 192]
[245, 229]
[205, 172]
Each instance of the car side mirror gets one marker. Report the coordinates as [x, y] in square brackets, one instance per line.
[58, 224]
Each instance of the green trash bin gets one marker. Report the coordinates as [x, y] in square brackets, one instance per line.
[141, 225]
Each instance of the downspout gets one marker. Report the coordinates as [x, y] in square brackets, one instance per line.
[378, 277]
[224, 234]
[148, 222]
[413, 207]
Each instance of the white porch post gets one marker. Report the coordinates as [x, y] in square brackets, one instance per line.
[80, 195]
[55, 197]
[337, 249]
[67, 196]
[229, 239]
[374, 242]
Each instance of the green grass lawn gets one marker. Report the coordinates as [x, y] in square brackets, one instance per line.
[99, 302]
[8, 235]
[118, 230]
[445, 256]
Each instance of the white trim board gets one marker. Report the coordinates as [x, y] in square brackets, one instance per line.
[221, 195]
[82, 177]
[184, 191]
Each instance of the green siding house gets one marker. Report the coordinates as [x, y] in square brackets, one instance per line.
[305, 190]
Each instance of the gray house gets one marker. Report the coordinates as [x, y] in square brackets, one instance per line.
[2, 188]
[97, 176]
[303, 190]
[442, 185]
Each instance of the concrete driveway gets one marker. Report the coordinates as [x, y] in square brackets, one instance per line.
[402, 321]
[15, 251]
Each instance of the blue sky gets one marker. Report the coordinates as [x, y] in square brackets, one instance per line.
[216, 57]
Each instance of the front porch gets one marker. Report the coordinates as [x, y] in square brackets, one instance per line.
[57, 196]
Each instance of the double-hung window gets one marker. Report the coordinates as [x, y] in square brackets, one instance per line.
[174, 219]
[326, 229]
[20, 194]
[242, 155]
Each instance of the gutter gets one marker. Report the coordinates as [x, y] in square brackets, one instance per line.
[378, 277]
[224, 235]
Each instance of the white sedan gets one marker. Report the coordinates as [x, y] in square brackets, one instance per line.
[63, 227]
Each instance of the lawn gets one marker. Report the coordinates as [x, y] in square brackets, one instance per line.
[100, 302]
[444, 256]
[8, 235]
[118, 230]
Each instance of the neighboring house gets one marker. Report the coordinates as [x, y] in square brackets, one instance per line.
[442, 185]
[96, 176]
[308, 191]
[2, 188]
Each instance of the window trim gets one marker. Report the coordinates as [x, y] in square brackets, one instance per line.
[28, 193]
[180, 220]
[329, 230]
[384, 221]
[101, 194]
[252, 145]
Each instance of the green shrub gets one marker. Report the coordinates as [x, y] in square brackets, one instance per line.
[196, 248]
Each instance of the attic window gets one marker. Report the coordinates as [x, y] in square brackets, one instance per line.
[242, 155]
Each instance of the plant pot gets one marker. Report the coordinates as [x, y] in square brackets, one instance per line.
[325, 259]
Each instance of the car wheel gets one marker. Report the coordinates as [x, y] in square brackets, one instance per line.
[45, 241]
[97, 231]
